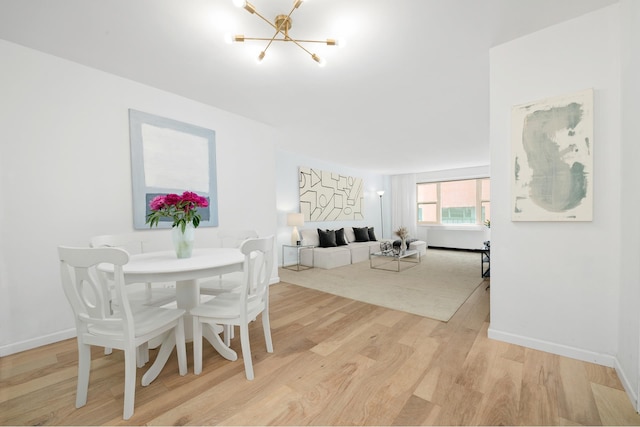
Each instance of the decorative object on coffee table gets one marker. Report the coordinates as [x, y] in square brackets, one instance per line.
[402, 233]
[386, 247]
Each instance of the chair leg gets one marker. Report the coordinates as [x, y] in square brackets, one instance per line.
[84, 367]
[227, 334]
[129, 382]
[197, 345]
[266, 326]
[246, 350]
[181, 348]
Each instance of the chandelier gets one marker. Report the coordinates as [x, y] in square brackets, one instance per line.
[281, 24]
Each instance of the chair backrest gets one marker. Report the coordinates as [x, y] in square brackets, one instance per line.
[258, 266]
[87, 293]
[234, 238]
[129, 242]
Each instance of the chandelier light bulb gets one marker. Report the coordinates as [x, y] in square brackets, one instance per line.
[239, 3]
[321, 62]
[228, 38]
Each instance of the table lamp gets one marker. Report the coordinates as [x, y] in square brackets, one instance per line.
[295, 220]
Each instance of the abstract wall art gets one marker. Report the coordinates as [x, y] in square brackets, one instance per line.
[552, 159]
[328, 196]
[168, 156]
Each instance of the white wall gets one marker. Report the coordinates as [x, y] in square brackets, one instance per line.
[555, 286]
[288, 196]
[65, 176]
[628, 355]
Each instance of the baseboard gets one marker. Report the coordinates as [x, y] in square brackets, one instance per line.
[36, 342]
[454, 249]
[631, 393]
[550, 347]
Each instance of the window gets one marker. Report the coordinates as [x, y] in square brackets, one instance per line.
[464, 202]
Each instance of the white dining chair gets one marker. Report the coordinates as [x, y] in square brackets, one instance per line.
[240, 307]
[229, 238]
[124, 329]
[153, 294]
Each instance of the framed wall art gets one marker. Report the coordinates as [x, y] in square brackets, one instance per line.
[328, 196]
[169, 156]
[552, 159]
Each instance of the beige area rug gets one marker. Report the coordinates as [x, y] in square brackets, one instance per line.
[435, 288]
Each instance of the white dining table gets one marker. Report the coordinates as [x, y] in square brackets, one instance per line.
[164, 266]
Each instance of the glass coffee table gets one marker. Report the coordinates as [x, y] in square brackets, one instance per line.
[390, 257]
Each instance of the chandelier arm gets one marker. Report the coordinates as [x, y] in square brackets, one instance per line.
[284, 40]
[306, 41]
[285, 33]
[278, 29]
[300, 46]
[268, 22]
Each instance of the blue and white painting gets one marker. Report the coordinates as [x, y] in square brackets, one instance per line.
[552, 159]
[169, 156]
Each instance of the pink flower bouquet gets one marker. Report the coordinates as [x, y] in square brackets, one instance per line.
[182, 209]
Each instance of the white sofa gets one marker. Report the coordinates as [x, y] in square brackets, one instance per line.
[353, 252]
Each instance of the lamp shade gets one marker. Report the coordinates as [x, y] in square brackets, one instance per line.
[295, 219]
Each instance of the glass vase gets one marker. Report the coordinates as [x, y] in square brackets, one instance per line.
[183, 241]
[403, 245]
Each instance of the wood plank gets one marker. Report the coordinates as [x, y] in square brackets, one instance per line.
[539, 389]
[575, 399]
[417, 411]
[613, 406]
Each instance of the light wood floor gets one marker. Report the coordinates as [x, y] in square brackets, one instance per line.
[336, 362]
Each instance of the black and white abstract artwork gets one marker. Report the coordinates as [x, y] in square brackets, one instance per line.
[552, 159]
[328, 196]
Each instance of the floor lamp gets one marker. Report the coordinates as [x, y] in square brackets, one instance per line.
[380, 193]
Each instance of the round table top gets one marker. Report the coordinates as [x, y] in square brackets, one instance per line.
[166, 266]
[167, 262]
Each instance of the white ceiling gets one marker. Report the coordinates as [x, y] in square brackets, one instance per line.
[408, 93]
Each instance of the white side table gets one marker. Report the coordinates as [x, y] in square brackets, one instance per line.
[298, 248]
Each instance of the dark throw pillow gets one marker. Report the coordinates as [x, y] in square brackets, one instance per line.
[362, 234]
[372, 234]
[341, 239]
[327, 238]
